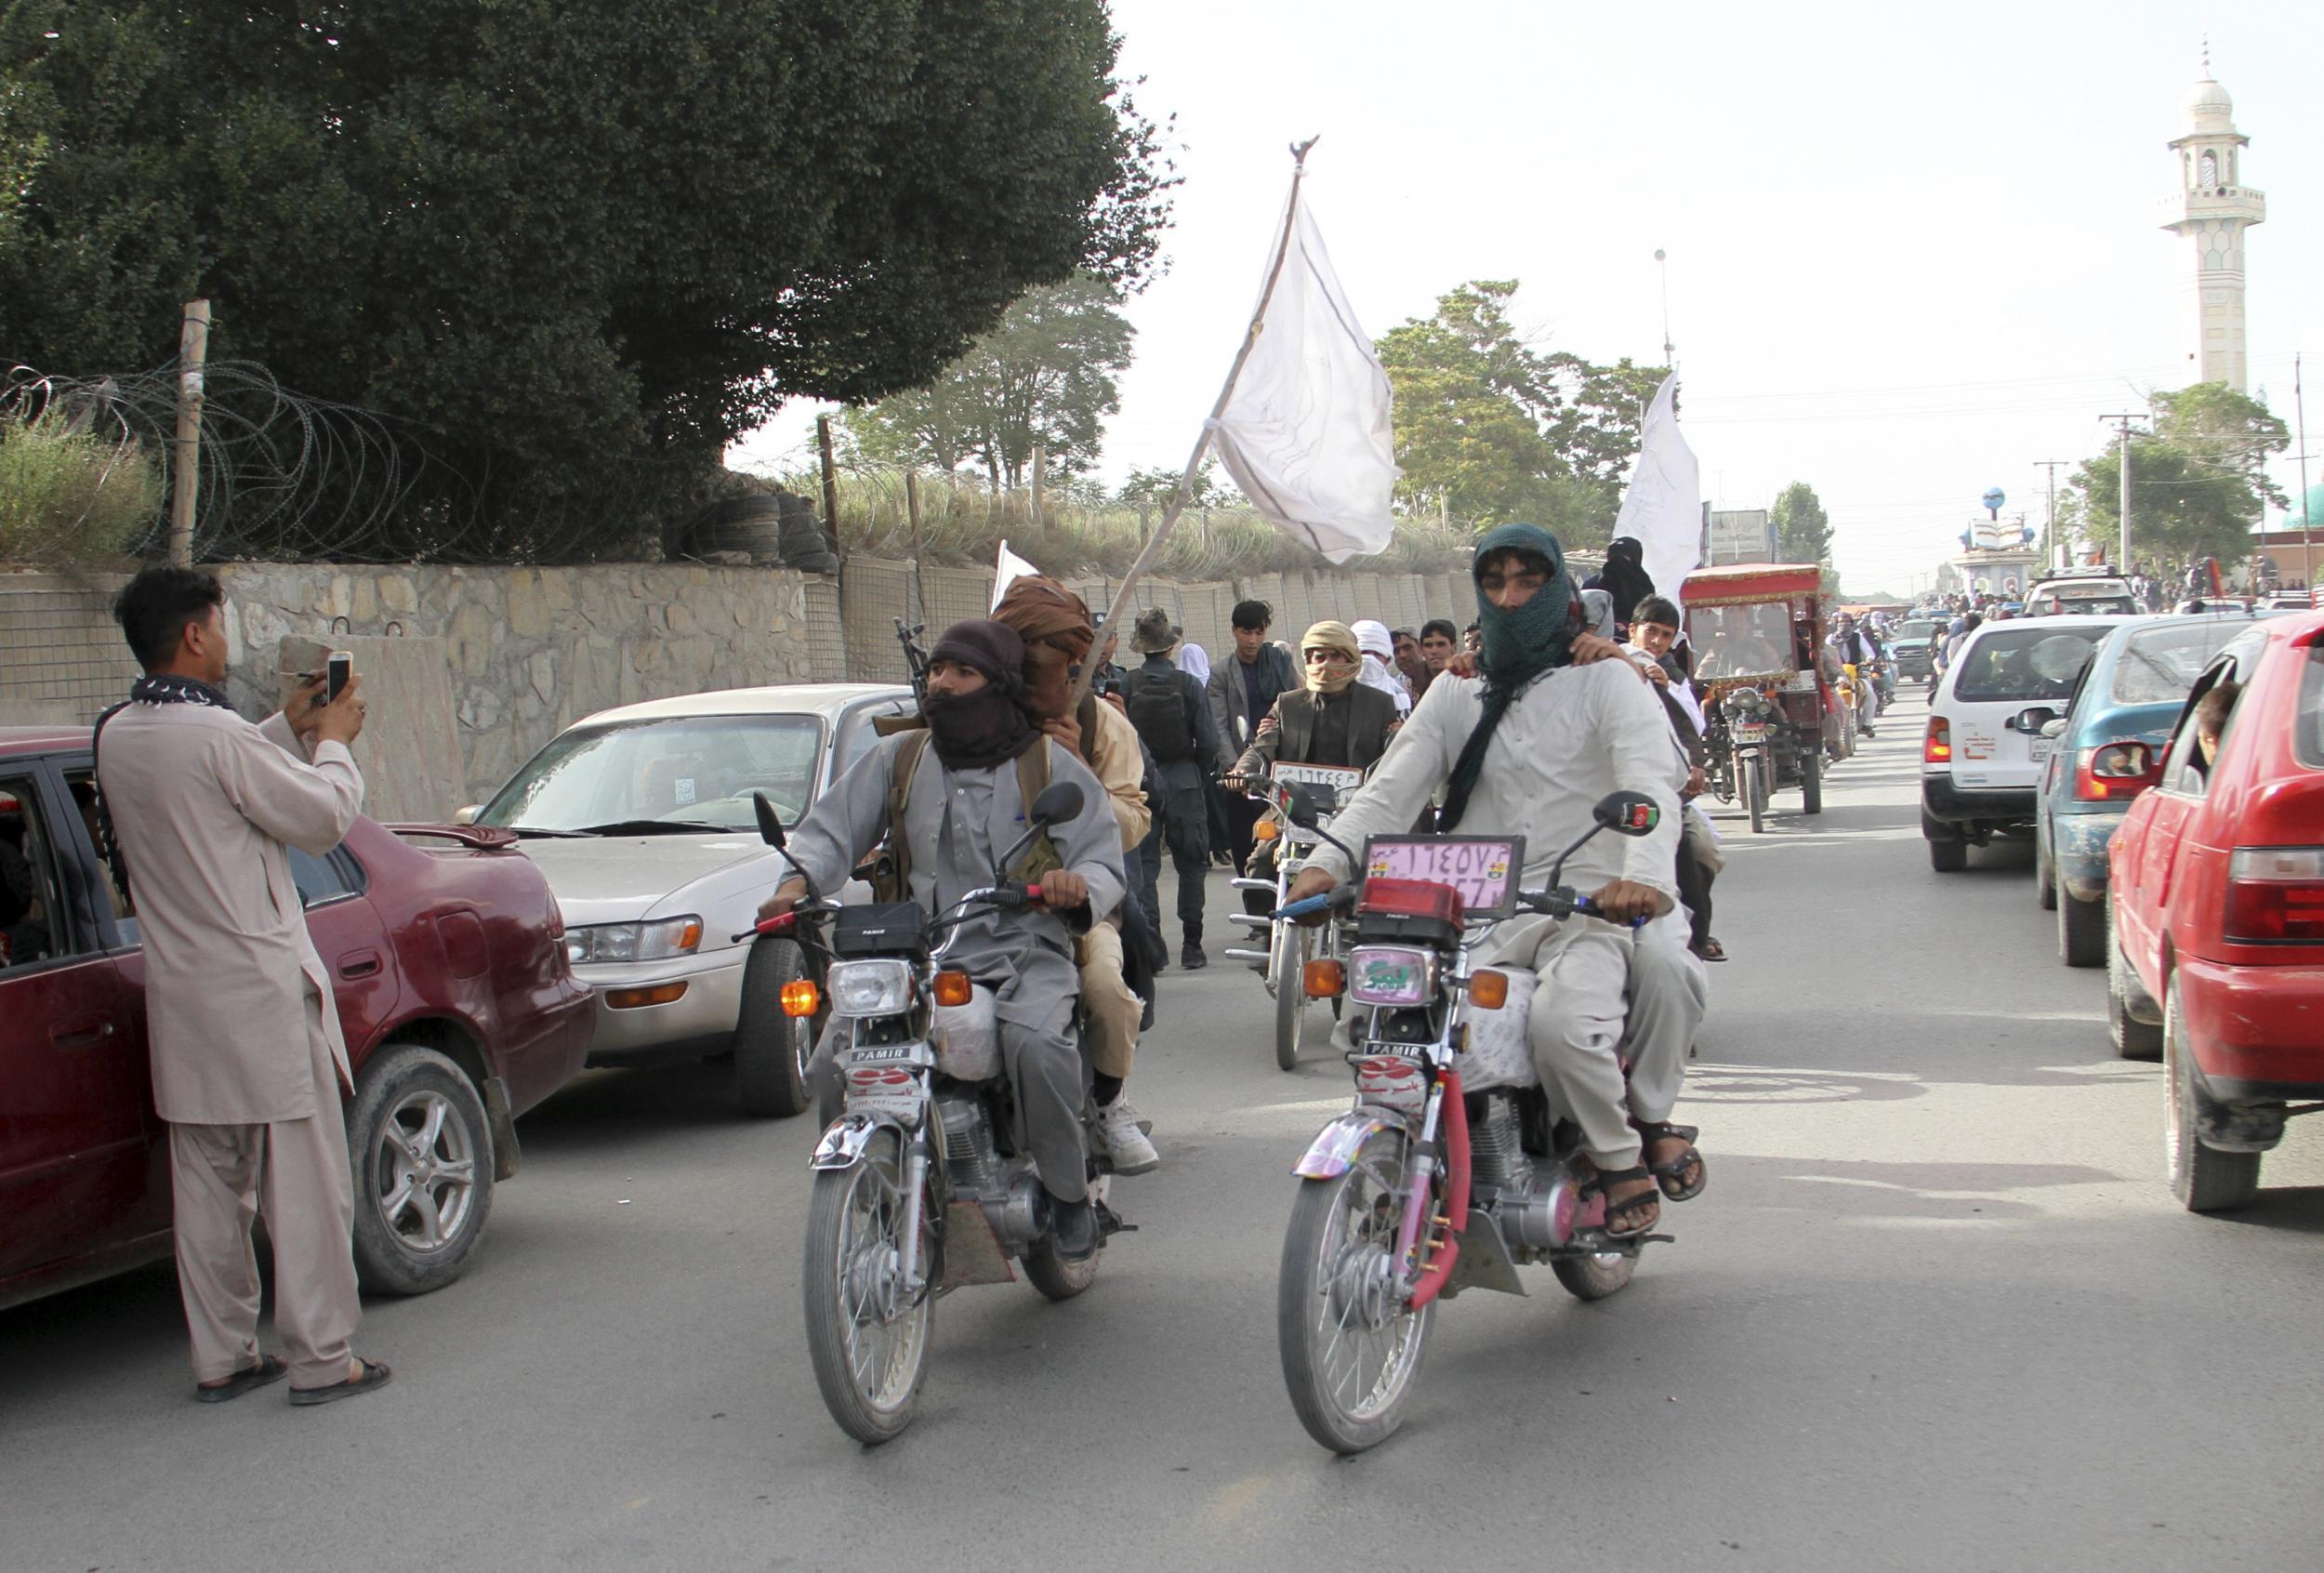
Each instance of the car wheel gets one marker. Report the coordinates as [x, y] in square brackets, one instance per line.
[2081, 930]
[771, 1049]
[2204, 1178]
[421, 1152]
[2132, 1038]
[2045, 879]
[1948, 849]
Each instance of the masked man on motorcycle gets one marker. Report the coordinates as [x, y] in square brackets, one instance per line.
[956, 804]
[1528, 748]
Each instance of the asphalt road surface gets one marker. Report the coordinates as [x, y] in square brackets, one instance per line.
[1936, 1310]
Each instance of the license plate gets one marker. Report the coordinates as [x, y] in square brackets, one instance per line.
[1752, 732]
[1339, 778]
[1483, 868]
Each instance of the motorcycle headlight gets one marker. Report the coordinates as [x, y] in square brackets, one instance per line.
[869, 988]
[1390, 975]
[657, 941]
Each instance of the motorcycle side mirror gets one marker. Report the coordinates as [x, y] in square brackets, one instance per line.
[770, 823]
[1626, 814]
[1057, 802]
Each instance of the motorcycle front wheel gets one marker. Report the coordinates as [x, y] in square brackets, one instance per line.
[1752, 789]
[1290, 986]
[867, 1336]
[1351, 1347]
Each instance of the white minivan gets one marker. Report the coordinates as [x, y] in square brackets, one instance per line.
[1982, 755]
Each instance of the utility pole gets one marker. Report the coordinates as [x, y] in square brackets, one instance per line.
[1039, 464]
[1663, 268]
[193, 348]
[2050, 531]
[2123, 564]
[830, 479]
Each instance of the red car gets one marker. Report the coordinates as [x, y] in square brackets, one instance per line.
[2215, 956]
[449, 965]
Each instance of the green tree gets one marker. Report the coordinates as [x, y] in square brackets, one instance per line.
[1154, 486]
[1802, 530]
[580, 245]
[1047, 376]
[2199, 482]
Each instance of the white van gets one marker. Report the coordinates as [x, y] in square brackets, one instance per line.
[1982, 755]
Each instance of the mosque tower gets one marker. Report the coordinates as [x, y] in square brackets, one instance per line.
[2210, 212]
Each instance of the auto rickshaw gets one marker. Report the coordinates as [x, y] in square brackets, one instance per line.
[1757, 631]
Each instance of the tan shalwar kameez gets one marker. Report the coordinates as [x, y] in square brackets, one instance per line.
[248, 1058]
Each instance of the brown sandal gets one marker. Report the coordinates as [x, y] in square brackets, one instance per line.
[1671, 1175]
[375, 1375]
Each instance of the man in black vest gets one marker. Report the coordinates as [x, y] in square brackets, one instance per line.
[1166, 706]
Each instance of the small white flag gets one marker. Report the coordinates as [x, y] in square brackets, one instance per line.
[1007, 571]
[1663, 508]
[1306, 432]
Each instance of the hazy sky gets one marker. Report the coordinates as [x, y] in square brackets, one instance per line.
[1910, 251]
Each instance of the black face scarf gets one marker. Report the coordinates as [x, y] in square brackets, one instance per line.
[987, 728]
[1520, 644]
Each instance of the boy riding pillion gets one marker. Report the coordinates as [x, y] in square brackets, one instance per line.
[965, 802]
[1528, 748]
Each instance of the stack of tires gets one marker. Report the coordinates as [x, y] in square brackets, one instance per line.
[804, 545]
[749, 527]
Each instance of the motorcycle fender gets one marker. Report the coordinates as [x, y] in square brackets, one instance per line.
[1336, 1144]
[842, 1145]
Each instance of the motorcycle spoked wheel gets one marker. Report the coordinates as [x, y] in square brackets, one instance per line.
[1752, 789]
[869, 1352]
[1351, 1347]
[1290, 991]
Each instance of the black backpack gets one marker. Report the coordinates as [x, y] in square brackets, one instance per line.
[1157, 708]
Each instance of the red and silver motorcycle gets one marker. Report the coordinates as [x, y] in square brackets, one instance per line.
[1452, 1169]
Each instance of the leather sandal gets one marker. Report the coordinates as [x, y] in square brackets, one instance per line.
[375, 1375]
[1628, 1208]
[1672, 1176]
[270, 1367]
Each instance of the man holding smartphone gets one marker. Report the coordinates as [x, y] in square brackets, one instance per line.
[249, 1059]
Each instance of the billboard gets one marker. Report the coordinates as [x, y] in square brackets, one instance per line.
[1742, 535]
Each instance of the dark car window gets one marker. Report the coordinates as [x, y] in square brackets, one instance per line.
[324, 878]
[2307, 725]
[856, 735]
[82, 784]
[2157, 666]
[2030, 663]
[34, 922]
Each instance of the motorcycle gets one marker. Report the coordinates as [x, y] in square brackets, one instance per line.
[1751, 718]
[1317, 789]
[1452, 1169]
[917, 1187]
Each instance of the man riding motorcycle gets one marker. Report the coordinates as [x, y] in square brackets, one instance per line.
[960, 791]
[1850, 647]
[1528, 749]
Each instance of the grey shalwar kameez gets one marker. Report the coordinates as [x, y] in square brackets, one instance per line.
[955, 822]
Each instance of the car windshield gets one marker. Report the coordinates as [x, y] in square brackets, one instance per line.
[1740, 641]
[2027, 663]
[692, 773]
[2158, 666]
[1918, 628]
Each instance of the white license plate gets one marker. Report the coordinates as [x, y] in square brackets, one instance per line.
[1751, 732]
[1339, 778]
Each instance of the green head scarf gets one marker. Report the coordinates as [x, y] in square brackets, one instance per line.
[1520, 644]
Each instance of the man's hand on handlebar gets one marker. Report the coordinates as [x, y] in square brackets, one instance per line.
[787, 895]
[1619, 901]
[1309, 883]
[1062, 890]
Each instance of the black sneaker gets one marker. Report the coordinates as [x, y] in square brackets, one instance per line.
[1191, 957]
[1074, 1225]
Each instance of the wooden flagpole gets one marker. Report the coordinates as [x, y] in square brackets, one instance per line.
[1185, 494]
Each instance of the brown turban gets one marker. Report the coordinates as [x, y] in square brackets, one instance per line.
[1057, 632]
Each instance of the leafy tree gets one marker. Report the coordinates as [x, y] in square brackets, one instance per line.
[2199, 482]
[581, 246]
[1047, 376]
[1154, 486]
[1802, 530]
[1489, 429]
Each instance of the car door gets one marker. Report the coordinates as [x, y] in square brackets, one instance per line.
[2165, 815]
[357, 952]
[81, 1169]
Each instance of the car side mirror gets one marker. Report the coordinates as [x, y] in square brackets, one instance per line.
[2033, 719]
[1057, 802]
[1628, 814]
[770, 823]
[467, 815]
[1302, 806]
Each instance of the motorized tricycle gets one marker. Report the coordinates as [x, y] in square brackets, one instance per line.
[1452, 1169]
[919, 1188]
[1757, 634]
[1319, 790]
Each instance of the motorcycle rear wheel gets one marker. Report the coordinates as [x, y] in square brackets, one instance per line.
[1290, 987]
[1052, 1274]
[870, 1356]
[1350, 1348]
[1594, 1278]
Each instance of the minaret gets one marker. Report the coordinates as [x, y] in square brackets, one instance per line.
[2210, 212]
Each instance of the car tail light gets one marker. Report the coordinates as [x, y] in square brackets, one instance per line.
[2275, 895]
[1937, 747]
[2116, 772]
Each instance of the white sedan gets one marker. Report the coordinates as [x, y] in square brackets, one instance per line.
[642, 818]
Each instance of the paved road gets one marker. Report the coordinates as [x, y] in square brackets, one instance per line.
[1937, 1311]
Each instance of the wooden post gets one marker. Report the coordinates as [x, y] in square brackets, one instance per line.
[1037, 457]
[830, 480]
[911, 512]
[193, 348]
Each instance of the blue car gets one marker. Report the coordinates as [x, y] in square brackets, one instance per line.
[2104, 751]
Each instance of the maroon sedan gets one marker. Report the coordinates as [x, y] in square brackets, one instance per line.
[2216, 882]
[448, 961]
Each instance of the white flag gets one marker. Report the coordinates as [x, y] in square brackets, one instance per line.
[1663, 507]
[1007, 571]
[1306, 433]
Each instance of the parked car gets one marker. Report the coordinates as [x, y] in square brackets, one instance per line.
[1979, 762]
[2086, 593]
[2106, 749]
[449, 973]
[1911, 648]
[2217, 892]
[642, 819]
